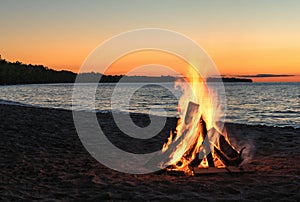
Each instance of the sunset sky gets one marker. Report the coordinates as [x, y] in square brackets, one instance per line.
[242, 37]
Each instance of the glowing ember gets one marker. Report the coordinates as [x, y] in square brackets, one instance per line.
[197, 141]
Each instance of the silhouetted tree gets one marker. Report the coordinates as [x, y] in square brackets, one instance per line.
[19, 73]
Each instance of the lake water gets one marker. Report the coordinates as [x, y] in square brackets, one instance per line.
[272, 104]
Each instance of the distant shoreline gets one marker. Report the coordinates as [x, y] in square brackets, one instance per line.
[140, 79]
[13, 73]
[231, 80]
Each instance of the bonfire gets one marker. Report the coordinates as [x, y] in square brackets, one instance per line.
[198, 141]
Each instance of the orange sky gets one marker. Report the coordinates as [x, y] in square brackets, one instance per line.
[149, 62]
[232, 56]
[242, 37]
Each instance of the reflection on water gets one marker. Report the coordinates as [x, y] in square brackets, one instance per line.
[276, 104]
[264, 103]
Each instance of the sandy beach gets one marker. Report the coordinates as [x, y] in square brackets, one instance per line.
[43, 159]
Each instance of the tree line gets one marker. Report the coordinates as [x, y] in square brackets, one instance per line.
[19, 73]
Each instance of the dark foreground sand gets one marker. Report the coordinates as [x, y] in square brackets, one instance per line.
[42, 158]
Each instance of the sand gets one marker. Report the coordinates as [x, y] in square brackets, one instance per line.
[42, 158]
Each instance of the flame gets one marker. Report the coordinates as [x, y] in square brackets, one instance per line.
[198, 114]
[165, 146]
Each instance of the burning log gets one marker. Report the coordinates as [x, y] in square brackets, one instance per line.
[215, 150]
[227, 154]
[205, 145]
[209, 156]
[227, 148]
[192, 109]
[161, 159]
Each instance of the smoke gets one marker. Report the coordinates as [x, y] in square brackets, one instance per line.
[248, 153]
[248, 144]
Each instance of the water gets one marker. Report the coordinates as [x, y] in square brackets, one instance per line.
[272, 104]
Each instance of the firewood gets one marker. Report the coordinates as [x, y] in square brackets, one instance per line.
[227, 160]
[226, 148]
[196, 161]
[162, 158]
[192, 109]
[209, 156]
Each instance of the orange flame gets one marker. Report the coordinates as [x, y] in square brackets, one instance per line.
[195, 104]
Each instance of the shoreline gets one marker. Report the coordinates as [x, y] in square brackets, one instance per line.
[13, 103]
[42, 158]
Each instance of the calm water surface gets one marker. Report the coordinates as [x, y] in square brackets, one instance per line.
[274, 104]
